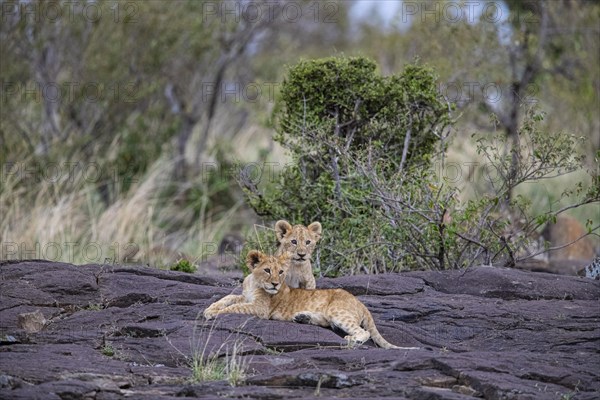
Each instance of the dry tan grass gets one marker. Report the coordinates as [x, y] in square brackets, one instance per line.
[66, 220]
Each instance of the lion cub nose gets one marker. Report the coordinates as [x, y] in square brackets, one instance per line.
[275, 284]
[301, 255]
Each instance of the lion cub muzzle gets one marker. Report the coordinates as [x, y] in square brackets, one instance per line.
[274, 288]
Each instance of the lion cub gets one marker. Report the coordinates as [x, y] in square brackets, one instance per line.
[298, 243]
[274, 299]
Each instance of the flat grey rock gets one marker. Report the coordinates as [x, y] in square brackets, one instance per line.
[111, 332]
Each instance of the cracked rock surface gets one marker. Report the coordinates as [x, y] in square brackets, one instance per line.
[110, 332]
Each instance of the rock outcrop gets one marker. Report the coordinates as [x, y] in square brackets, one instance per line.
[108, 332]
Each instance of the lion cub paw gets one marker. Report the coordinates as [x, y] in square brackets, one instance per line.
[353, 342]
[302, 319]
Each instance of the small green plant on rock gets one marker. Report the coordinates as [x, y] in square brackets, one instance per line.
[211, 365]
[236, 368]
[204, 369]
[183, 265]
[94, 307]
[108, 350]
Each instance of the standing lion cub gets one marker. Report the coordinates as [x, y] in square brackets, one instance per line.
[274, 299]
[298, 243]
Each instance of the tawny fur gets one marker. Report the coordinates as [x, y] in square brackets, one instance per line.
[569, 232]
[299, 242]
[247, 296]
[274, 299]
[299, 275]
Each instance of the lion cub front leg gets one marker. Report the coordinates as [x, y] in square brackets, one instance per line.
[309, 282]
[245, 308]
[226, 301]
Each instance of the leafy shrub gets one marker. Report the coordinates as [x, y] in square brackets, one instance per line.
[337, 111]
[108, 350]
[343, 103]
[362, 148]
[183, 266]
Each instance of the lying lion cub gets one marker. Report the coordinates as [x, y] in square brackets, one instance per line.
[298, 242]
[273, 299]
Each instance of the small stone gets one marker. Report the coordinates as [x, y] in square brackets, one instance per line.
[32, 322]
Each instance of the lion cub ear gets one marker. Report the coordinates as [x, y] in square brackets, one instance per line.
[282, 227]
[253, 258]
[315, 228]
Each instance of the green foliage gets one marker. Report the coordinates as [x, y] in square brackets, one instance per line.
[343, 102]
[204, 370]
[134, 153]
[108, 350]
[342, 121]
[216, 189]
[209, 366]
[371, 184]
[183, 266]
[133, 113]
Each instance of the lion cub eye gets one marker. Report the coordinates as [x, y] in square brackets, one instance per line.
[280, 272]
[294, 241]
[308, 242]
[267, 270]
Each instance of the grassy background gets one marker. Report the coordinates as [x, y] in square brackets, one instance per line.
[152, 67]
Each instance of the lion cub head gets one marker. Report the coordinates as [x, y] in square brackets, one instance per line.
[268, 271]
[298, 241]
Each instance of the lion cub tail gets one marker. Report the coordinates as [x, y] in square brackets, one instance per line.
[369, 325]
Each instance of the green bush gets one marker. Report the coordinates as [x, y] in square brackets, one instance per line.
[342, 121]
[343, 103]
[362, 150]
[183, 266]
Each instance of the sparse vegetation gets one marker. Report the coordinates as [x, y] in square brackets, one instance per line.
[223, 362]
[183, 266]
[94, 307]
[364, 149]
[108, 350]
[131, 164]
[205, 369]
[209, 366]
